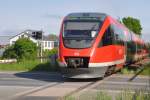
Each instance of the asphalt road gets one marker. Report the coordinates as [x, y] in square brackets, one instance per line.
[51, 86]
[36, 85]
[12, 83]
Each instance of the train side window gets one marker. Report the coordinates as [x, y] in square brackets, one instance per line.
[107, 38]
[118, 35]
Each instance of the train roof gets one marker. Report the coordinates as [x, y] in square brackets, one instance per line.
[136, 38]
[100, 16]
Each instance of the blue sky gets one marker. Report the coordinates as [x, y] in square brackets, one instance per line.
[19, 15]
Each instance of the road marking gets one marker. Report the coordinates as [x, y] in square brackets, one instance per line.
[34, 90]
[58, 90]
[91, 86]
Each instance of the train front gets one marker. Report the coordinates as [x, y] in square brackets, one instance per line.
[76, 45]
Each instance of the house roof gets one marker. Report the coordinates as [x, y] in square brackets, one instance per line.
[27, 32]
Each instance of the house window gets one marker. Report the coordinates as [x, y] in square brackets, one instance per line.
[49, 44]
[55, 44]
[22, 36]
[45, 43]
[52, 44]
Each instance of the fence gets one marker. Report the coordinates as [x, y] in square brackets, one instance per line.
[8, 61]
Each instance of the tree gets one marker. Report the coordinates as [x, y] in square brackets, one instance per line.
[133, 24]
[25, 49]
[9, 53]
[22, 49]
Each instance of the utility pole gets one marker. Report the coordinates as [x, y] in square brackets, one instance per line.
[41, 46]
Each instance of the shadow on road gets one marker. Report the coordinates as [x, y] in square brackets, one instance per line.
[51, 77]
[41, 76]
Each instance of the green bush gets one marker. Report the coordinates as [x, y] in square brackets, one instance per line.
[9, 53]
[21, 50]
[25, 49]
[48, 53]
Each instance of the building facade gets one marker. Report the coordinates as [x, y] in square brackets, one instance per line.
[21, 35]
[46, 43]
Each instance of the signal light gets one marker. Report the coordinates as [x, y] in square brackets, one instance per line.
[37, 35]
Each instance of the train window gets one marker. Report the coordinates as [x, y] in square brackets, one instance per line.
[129, 38]
[118, 35]
[107, 38]
[81, 29]
[139, 47]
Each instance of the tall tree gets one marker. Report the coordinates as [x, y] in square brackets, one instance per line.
[133, 24]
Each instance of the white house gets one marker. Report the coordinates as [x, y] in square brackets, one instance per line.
[46, 44]
[21, 35]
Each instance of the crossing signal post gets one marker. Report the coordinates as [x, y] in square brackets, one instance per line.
[38, 35]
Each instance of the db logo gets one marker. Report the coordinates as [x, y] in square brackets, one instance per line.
[76, 54]
[120, 52]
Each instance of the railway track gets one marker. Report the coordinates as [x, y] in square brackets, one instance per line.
[65, 88]
[56, 90]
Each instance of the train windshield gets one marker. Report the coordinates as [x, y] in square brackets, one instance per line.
[78, 29]
[80, 34]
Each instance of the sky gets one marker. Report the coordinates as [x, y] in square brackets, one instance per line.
[47, 15]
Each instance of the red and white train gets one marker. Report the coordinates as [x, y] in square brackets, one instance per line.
[92, 44]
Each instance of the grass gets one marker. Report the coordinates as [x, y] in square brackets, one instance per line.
[145, 71]
[102, 96]
[138, 95]
[90, 96]
[124, 95]
[28, 65]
